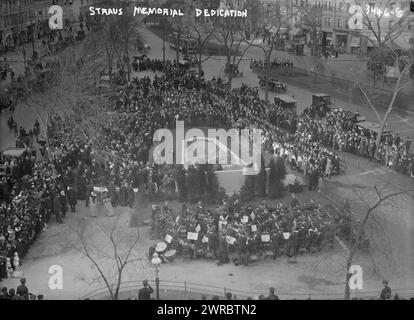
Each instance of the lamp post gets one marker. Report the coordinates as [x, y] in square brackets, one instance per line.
[156, 261]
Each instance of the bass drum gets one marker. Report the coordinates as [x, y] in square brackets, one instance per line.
[161, 247]
[170, 255]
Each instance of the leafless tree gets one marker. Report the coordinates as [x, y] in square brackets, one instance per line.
[200, 30]
[403, 81]
[311, 15]
[110, 247]
[275, 22]
[69, 95]
[231, 35]
[381, 35]
[370, 210]
[127, 28]
[374, 20]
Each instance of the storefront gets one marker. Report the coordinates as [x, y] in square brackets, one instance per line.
[341, 41]
[355, 45]
[8, 40]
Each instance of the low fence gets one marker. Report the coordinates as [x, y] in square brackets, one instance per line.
[196, 290]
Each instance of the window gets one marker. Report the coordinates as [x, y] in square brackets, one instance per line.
[390, 24]
[339, 23]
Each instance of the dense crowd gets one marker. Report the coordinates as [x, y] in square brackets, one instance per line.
[36, 190]
[242, 235]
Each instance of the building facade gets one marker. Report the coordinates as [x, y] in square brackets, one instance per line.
[326, 22]
[17, 23]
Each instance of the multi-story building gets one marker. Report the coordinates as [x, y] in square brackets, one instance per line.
[16, 22]
[74, 9]
[326, 23]
[41, 12]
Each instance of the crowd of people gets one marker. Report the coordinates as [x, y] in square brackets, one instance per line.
[231, 233]
[281, 65]
[69, 172]
[20, 293]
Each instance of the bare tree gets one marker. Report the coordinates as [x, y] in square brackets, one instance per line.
[126, 25]
[274, 22]
[382, 35]
[69, 97]
[374, 17]
[200, 30]
[110, 37]
[110, 248]
[231, 34]
[370, 209]
[403, 81]
[311, 15]
[178, 24]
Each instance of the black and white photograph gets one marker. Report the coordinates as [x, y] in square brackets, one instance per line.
[179, 150]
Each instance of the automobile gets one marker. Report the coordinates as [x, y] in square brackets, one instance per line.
[285, 101]
[321, 105]
[234, 69]
[191, 60]
[373, 128]
[355, 116]
[273, 84]
[185, 64]
[140, 57]
[10, 153]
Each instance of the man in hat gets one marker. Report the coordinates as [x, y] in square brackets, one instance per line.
[294, 203]
[72, 199]
[386, 291]
[64, 203]
[272, 295]
[22, 290]
[57, 209]
[145, 292]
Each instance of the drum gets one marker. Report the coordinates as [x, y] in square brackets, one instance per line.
[161, 247]
[170, 255]
[200, 253]
[187, 251]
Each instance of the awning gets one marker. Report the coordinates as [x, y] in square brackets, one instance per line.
[296, 32]
[279, 30]
[355, 42]
[14, 152]
[402, 43]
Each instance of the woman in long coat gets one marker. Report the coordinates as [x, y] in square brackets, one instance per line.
[93, 211]
[109, 210]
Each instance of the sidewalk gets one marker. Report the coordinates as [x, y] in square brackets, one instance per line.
[17, 60]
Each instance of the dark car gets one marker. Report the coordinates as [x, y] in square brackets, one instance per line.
[273, 84]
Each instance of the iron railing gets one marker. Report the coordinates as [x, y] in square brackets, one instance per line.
[210, 290]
